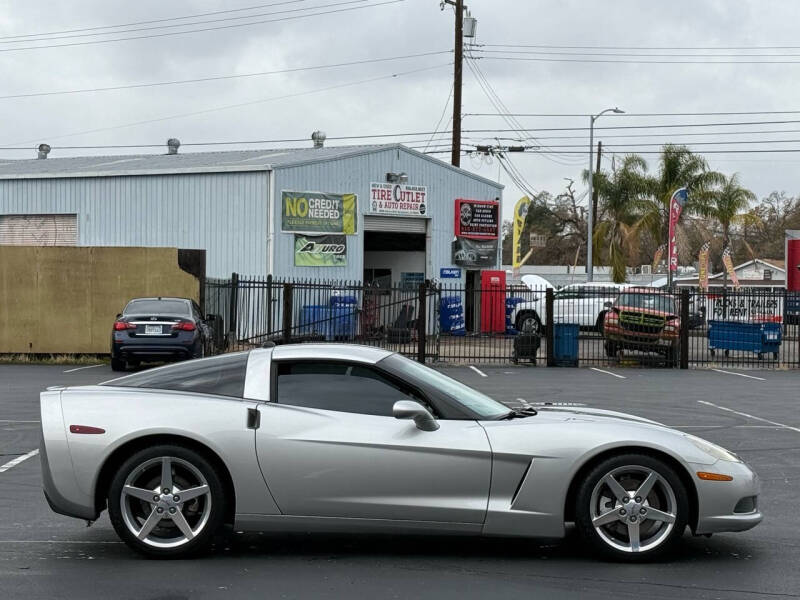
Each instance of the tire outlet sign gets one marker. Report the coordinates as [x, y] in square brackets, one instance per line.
[398, 199]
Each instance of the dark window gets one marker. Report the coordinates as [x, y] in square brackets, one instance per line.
[378, 279]
[157, 307]
[342, 387]
[221, 376]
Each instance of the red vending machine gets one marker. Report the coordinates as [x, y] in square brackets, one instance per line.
[793, 265]
[493, 301]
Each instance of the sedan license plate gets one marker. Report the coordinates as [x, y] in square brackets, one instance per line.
[152, 329]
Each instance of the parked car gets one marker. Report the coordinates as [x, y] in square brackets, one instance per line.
[160, 329]
[337, 437]
[581, 303]
[643, 319]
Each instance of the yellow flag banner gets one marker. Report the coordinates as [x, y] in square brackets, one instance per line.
[702, 267]
[728, 262]
[520, 213]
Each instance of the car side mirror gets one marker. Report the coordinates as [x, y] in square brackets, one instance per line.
[608, 304]
[408, 409]
[118, 315]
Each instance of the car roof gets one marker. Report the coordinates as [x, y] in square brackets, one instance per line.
[354, 352]
[159, 298]
[603, 284]
[647, 290]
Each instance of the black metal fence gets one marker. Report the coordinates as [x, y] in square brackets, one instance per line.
[594, 325]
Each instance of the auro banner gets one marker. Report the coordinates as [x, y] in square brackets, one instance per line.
[320, 250]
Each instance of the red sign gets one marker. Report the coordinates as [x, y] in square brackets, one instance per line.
[477, 219]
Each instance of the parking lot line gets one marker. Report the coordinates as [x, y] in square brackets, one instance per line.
[79, 368]
[19, 459]
[58, 542]
[739, 374]
[478, 371]
[12, 421]
[608, 373]
[743, 414]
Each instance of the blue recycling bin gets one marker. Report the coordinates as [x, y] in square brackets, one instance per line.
[565, 344]
[511, 304]
[342, 314]
[759, 338]
[315, 319]
[451, 315]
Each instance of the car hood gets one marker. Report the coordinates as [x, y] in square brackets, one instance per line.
[596, 414]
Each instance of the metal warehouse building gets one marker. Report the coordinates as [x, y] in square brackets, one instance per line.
[378, 213]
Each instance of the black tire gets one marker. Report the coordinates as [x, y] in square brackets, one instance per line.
[117, 364]
[672, 357]
[209, 508]
[664, 535]
[601, 318]
[611, 349]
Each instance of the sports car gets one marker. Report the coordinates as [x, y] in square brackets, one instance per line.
[337, 437]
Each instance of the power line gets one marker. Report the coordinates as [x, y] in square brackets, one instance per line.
[163, 20]
[627, 114]
[635, 54]
[659, 126]
[643, 62]
[173, 26]
[546, 46]
[240, 104]
[166, 34]
[222, 77]
[662, 135]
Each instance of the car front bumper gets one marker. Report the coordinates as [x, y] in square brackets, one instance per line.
[720, 502]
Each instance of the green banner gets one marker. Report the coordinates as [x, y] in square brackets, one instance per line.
[318, 212]
[320, 250]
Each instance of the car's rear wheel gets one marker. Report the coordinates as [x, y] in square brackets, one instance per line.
[632, 507]
[167, 501]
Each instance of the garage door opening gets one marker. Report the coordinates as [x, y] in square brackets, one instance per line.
[394, 259]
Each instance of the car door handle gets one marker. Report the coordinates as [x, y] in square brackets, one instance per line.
[253, 418]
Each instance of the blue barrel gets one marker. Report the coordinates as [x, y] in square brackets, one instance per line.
[343, 322]
[315, 319]
[451, 315]
[511, 304]
[338, 300]
[565, 344]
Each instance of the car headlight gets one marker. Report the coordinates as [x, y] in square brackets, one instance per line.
[713, 450]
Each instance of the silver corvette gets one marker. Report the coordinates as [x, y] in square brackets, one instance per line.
[351, 438]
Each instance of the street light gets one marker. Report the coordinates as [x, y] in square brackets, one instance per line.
[589, 244]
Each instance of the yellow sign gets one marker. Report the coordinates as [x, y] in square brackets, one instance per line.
[520, 213]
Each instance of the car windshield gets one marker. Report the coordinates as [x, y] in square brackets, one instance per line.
[157, 307]
[650, 301]
[480, 404]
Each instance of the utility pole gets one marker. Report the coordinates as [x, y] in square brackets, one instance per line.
[455, 158]
[594, 190]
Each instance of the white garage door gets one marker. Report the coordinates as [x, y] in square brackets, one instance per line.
[39, 230]
[398, 224]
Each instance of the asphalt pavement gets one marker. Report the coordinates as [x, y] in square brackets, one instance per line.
[753, 413]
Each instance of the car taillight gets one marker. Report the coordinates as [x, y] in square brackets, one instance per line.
[184, 326]
[122, 326]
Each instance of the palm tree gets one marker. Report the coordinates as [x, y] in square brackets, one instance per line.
[678, 167]
[728, 204]
[620, 194]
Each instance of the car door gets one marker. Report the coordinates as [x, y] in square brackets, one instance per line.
[328, 446]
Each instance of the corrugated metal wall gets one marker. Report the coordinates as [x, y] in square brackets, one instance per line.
[223, 213]
[353, 175]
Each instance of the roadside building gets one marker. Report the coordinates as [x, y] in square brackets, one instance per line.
[383, 213]
[759, 274]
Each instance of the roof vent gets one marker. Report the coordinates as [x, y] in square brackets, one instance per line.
[318, 137]
[172, 145]
[44, 150]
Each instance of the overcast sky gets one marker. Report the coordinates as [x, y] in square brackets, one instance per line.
[410, 102]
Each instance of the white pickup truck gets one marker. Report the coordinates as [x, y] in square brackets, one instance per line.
[581, 303]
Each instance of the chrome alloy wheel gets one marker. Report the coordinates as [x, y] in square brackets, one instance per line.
[165, 502]
[633, 509]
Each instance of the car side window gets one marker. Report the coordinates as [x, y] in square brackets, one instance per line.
[221, 376]
[339, 386]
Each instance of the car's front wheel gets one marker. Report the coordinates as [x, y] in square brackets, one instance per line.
[632, 507]
[167, 501]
